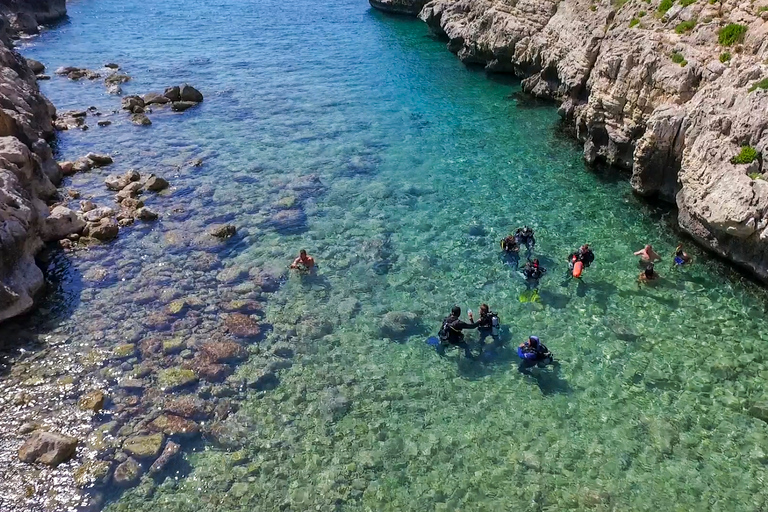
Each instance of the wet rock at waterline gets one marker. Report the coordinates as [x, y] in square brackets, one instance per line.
[181, 106]
[409, 7]
[140, 120]
[222, 230]
[155, 98]
[62, 222]
[47, 448]
[37, 67]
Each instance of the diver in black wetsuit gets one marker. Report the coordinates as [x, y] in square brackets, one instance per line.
[533, 271]
[511, 250]
[451, 332]
[524, 236]
[488, 325]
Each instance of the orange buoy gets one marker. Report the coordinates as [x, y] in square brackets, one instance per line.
[577, 269]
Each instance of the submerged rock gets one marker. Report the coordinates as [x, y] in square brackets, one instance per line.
[144, 447]
[242, 326]
[287, 221]
[92, 401]
[224, 351]
[172, 379]
[172, 425]
[127, 473]
[400, 324]
[47, 448]
[171, 450]
[92, 473]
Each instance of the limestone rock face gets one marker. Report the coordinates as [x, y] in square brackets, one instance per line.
[676, 124]
[412, 7]
[28, 173]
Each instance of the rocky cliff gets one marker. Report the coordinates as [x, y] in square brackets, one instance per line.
[28, 172]
[25, 16]
[675, 91]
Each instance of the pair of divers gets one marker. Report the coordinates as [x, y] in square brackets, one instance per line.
[531, 353]
[511, 245]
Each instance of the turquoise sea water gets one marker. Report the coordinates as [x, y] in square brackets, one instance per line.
[425, 166]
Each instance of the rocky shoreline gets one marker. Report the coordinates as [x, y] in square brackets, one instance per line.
[112, 408]
[676, 92]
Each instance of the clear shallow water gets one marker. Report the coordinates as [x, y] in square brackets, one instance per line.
[649, 408]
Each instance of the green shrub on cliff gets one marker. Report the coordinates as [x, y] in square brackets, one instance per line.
[747, 155]
[664, 6]
[678, 58]
[725, 57]
[685, 26]
[762, 84]
[756, 176]
[641, 14]
[762, 9]
[686, 3]
[731, 33]
[634, 22]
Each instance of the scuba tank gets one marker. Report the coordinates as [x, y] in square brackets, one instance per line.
[494, 324]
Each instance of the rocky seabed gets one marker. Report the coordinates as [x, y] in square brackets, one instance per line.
[654, 87]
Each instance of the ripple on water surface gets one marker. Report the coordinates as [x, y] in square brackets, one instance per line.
[425, 166]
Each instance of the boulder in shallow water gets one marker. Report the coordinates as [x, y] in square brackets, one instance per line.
[398, 325]
[106, 229]
[117, 78]
[222, 230]
[145, 214]
[144, 447]
[155, 98]
[92, 401]
[242, 326]
[99, 160]
[224, 351]
[140, 120]
[170, 451]
[287, 221]
[181, 106]
[96, 214]
[155, 183]
[172, 379]
[189, 93]
[37, 67]
[47, 448]
[172, 425]
[92, 472]
[173, 93]
[61, 223]
[127, 473]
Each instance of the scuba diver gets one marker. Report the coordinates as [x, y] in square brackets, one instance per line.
[524, 236]
[649, 274]
[533, 353]
[488, 325]
[681, 257]
[532, 272]
[451, 334]
[583, 255]
[511, 250]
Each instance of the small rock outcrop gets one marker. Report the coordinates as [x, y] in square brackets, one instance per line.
[409, 7]
[47, 448]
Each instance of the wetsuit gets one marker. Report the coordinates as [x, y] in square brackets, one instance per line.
[586, 257]
[451, 334]
[532, 274]
[525, 237]
[541, 354]
[511, 250]
[485, 327]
